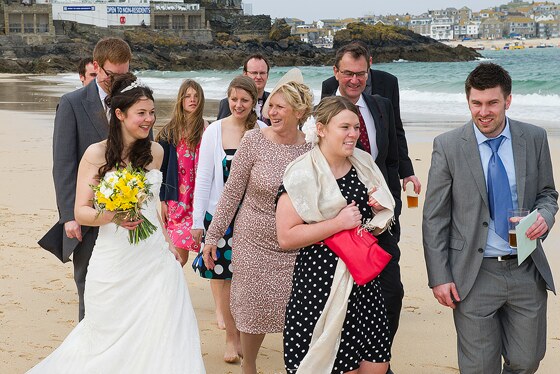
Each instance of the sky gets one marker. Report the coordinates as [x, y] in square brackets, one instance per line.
[314, 10]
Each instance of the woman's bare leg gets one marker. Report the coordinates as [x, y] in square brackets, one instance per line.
[217, 286]
[250, 343]
[233, 342]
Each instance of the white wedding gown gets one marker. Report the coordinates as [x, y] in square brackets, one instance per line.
[139, 317]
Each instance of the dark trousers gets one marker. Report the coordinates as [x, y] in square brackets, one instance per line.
[390, 279]
[80, 259]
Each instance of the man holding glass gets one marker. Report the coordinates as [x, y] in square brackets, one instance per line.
[479, 171]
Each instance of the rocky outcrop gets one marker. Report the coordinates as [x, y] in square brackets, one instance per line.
[392, 43]
[163, 51]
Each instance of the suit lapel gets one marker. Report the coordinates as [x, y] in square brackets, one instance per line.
[519, 147]
[472, 156]
[95, 112]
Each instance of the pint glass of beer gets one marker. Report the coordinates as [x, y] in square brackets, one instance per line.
[411, 196]
[514, 216]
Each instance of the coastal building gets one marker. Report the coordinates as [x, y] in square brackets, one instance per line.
[491, 28]
[441, 29]
[421, 25]
[548, 29]
[26, 19]
[520, 26]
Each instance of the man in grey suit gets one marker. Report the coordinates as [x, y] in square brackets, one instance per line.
[80, 121]
[499, 308]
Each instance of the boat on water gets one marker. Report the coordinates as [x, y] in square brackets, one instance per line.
[479, 47]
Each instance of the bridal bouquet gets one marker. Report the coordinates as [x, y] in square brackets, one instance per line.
[124, 191]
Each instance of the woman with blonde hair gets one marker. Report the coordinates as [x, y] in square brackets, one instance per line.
[262, 278]
[219, 146]
[336, 319]
[180, 139]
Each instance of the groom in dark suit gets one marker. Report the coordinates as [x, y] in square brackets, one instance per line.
[478, 172]
[80, 121]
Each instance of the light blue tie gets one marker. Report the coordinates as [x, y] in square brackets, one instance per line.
[499, 193]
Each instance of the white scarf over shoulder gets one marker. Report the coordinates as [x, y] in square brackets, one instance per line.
[316, 197]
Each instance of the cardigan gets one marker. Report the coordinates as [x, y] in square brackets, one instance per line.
[209, 182]
[170, 170]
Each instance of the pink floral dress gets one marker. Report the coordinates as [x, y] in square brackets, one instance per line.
[180, 212]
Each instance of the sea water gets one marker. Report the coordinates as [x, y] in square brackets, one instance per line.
[431, 93]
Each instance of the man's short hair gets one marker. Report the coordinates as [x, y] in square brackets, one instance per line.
[114, 50]
[256, 56]
[82, 66]
[355, 49]
[488, 75]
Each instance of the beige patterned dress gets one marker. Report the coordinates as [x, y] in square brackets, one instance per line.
[262, 272]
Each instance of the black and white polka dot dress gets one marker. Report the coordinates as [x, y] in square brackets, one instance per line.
[365, 333]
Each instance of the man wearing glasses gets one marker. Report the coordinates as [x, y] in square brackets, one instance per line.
[257, 68]
[377, 137]
[387, 85]
[81, 120]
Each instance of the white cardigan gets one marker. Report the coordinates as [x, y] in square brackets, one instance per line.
[209, 182]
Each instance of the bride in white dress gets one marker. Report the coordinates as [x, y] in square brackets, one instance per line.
[139, 317]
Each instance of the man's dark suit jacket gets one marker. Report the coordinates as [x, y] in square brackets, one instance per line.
[386, 85]
[386, 141]
[224, 111]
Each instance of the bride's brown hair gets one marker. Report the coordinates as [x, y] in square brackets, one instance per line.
[125, 92]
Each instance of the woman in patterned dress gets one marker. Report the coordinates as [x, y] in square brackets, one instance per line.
[262, 278]
[332, 324]
[218, 147]
[180, 139]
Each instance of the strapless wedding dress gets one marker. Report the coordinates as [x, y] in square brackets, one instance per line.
[139, 317]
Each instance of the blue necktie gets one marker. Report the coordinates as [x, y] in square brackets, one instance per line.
[499, 193]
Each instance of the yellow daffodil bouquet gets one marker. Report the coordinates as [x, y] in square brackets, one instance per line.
[124, 191]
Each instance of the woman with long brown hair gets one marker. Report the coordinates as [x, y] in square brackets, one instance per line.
[218, 149]
[180, 139]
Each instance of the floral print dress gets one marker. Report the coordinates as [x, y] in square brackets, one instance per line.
[180, 213]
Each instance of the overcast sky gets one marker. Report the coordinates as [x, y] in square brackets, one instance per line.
[313, 10]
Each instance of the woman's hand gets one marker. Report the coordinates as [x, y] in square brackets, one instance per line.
[124, 223]
[209, 256]
[164, 213]
[349, 217]
[197, 235]
[374, 204]
[175, 253]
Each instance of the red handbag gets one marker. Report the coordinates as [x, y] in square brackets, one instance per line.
[359, 250]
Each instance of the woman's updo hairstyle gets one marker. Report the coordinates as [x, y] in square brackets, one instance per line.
[125, 92]
[299, 96]
[331, 106]
[242, 82]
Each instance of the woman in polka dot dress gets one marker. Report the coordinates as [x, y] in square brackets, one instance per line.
[219, 145]
[361, 338]
[180, 139]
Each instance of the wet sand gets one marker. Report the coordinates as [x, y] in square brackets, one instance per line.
[38, 301]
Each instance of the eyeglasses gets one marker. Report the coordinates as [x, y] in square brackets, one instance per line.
[257, 73]
[109, 73]
[351, 74]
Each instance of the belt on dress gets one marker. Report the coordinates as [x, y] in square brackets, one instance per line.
[503, 258]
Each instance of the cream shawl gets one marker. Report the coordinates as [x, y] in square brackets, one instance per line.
[316, 197]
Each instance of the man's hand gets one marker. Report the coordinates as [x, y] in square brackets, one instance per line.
[73, 230]
[446, 294]
[415, 181]
[537, 229]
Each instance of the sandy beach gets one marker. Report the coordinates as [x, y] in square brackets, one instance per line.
[499, 43]
[38, 300]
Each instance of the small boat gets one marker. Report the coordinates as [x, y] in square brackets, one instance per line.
[506, 46]
[542, 45]
[518, 46]
[479, 47]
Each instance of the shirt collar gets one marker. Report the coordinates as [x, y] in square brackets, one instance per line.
[361, 103]
[102, 93]
[481, 138]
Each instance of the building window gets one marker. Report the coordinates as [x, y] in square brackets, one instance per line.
[178, 22]
[161, 22]
[195, 22]
[42, 22]
[28, 25]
